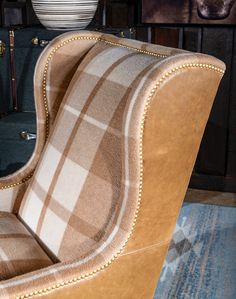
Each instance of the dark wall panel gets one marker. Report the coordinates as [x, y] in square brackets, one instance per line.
[166, 36]
[192, 39]
[212, 158]
[120, 13]
[231, 161]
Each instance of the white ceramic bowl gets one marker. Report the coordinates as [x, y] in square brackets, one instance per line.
[65, 14]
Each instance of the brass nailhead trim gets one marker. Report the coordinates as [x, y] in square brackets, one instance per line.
[45, 102]
[22, 181]
[146, 107]
[133, 48]
[45, 73]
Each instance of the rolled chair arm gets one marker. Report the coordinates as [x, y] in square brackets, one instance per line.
[174, 118]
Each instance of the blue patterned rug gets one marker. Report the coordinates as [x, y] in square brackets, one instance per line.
[201, 262]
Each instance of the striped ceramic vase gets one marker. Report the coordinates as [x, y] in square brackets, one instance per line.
[65, 14]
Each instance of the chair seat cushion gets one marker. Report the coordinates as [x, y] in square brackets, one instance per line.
[19, 251]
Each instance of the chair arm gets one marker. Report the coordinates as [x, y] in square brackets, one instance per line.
[175, 119]
[175, 115]
[172, 117]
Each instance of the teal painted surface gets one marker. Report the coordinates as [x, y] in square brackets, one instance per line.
[201, 262]
[26, 55]
[14, 151]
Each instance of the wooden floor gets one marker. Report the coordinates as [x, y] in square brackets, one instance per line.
[211, 197]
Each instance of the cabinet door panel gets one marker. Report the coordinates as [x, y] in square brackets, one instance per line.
[192, 39]
[231, 162]
[213, 152]
[169, 37]
[26, 56]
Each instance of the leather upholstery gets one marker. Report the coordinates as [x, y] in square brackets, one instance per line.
[171, 145]
[169, 122]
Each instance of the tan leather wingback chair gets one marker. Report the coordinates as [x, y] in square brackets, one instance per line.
[119, 127]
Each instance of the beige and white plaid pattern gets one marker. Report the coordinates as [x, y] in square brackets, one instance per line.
[82, 193]
[66, 58]
[19, 252]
